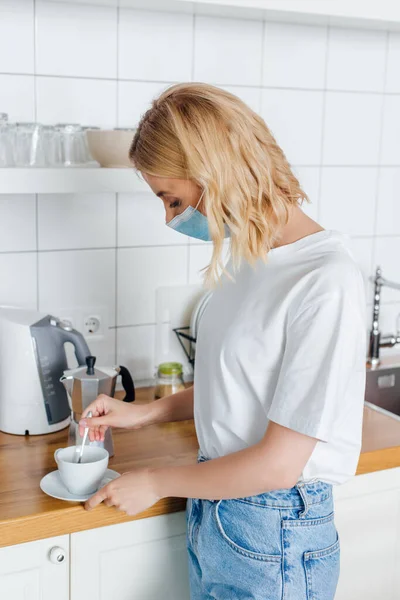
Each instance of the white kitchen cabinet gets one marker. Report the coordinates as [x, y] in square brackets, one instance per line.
[368, 521]
[36, 570]
[139, 560]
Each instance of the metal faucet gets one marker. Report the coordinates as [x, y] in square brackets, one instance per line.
[376, 340]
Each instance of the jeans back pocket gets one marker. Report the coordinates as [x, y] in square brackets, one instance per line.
[322, 572]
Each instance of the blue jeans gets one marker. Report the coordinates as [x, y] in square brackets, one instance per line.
[281, 545]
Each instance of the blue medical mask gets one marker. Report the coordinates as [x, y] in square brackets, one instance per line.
[193, 223]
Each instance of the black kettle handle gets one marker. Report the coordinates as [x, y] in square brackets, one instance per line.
[127, 384]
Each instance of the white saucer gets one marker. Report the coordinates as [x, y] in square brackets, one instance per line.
[52, 485]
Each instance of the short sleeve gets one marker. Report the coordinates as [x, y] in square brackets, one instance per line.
[323, 367]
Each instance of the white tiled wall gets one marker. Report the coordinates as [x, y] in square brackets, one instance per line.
[330, 95]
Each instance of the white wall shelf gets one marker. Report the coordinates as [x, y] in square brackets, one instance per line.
[353, 13]
[69, 181]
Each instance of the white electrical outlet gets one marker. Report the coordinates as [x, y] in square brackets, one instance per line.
[91, 321]
[92, 325]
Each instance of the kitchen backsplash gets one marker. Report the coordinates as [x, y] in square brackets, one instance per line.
[330, 95]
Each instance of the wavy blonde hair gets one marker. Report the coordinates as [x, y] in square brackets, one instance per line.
[200, 132]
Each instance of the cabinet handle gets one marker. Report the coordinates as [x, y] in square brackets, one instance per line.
[57, 555]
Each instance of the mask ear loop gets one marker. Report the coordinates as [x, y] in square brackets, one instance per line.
[200, 199]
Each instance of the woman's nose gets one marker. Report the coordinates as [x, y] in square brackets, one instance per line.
[168, 215]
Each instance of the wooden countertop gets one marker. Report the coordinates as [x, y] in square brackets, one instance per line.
[27, 514]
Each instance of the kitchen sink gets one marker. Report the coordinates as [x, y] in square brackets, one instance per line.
[383, 387]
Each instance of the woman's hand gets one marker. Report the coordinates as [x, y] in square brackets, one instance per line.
[132, 493]
[109, 412]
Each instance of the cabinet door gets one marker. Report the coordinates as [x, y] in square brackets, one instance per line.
[139, 560]
[368, 524]
[36, 570]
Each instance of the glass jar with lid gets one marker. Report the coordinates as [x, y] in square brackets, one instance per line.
[169, 379]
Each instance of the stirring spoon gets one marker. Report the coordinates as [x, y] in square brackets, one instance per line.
[89, 415]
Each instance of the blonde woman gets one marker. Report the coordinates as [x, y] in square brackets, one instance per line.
[280, 361]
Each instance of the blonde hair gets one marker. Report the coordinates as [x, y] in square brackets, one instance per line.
[200, 132]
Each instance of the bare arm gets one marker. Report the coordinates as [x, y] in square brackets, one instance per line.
[177, 407]
[276, 462]
[109, 412]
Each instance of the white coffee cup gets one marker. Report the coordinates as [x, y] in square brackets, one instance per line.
[85, 477]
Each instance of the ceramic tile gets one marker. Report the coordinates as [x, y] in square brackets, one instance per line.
[388, 217]
[175, 304]
[356, 60]
[227, 51]
[17, 97]
[250, 95]
[155, 46]
[140, 272]
[134, 98]
[78, 278]
[76, 40]
[393, 62]
[88, 221]
[199, 258]
[309, 178]
[136, 350]
[390, 154]
[347, 140]
[18, 280]
[348, 199]
[16, 36]
[387, 252]
[294, 55]
[89, 102]
[141, 222]
[17, 222]
[295, 118]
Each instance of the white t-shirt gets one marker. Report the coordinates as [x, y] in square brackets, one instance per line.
[286, 342]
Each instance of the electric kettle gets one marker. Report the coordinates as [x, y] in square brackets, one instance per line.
[32, 360]
[83, 385]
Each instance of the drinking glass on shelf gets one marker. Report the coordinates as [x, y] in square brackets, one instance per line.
[28, 145]
[73, 151]
[6, 155]
[51, 143]
[89, 160]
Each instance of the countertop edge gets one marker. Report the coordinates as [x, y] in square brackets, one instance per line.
[74, 519]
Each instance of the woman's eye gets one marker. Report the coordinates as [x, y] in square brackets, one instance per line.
[175, 204]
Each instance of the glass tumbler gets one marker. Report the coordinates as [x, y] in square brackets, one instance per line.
[51, 142]
[6, 155]
[90, 162]
[73, 151]
[28, 147]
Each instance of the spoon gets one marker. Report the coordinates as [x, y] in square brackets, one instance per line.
[89, 415]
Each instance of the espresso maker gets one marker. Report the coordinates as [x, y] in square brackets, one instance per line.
[83, 385]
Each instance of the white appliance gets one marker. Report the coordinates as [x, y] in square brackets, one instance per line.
[33, 401]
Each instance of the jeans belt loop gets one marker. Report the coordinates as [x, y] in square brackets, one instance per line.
[303, 494]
